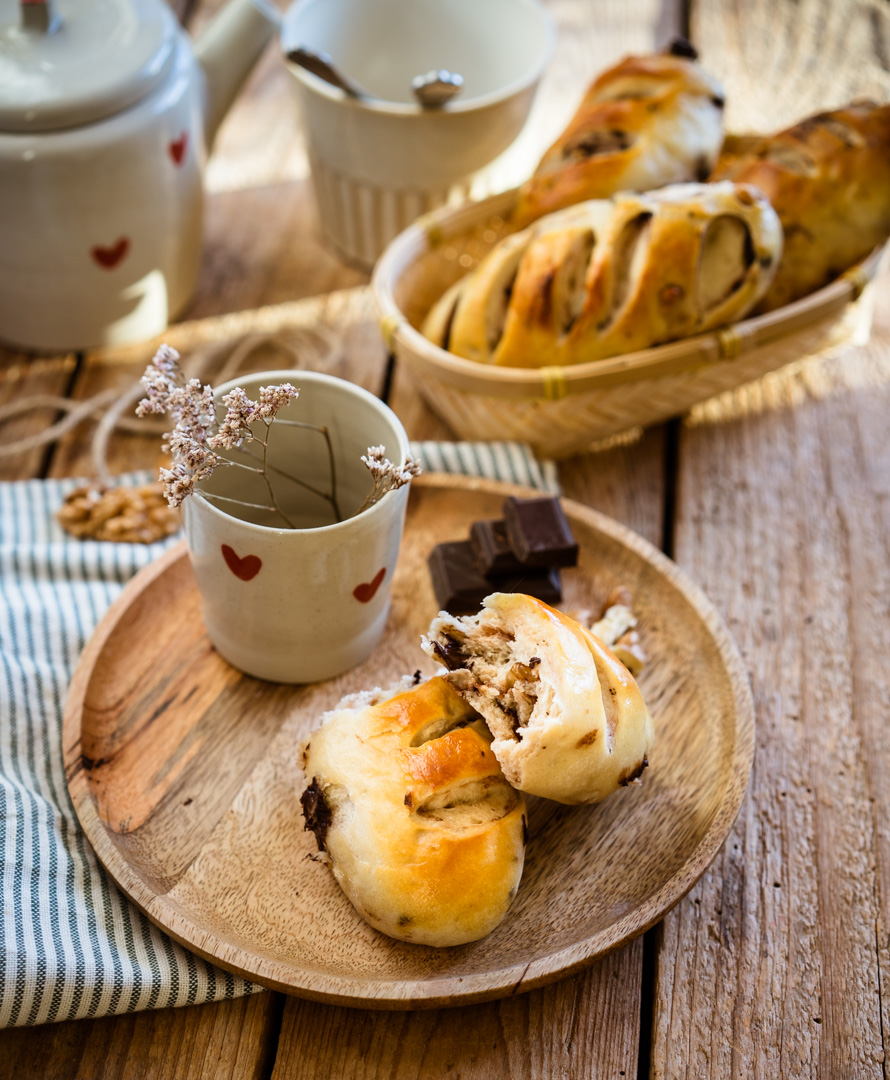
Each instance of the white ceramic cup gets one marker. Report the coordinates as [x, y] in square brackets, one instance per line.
[379, 164]
[300, 605]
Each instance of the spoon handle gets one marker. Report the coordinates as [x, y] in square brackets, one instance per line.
[39, 16]
[320, 64]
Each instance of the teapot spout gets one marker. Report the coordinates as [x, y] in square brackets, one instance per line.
[228, 50]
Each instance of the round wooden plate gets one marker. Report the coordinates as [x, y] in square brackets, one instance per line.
[184, 776]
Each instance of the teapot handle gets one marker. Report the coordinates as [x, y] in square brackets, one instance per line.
[228, 49]
[39, 16]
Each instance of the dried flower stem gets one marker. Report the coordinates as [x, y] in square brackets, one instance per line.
[330, 496]
[238, 502]
[385, 475]
[198, 432]
[265, 444]
[333, 467]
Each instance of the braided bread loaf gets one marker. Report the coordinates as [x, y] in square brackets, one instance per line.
[608, 277]
[647, 122]
[828, 178]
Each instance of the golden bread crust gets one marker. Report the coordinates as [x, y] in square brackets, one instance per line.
[609, 277]
[647, 122]
[828, 178]
[569, 720]
[425, 835]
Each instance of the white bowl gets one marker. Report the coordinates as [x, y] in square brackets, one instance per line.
[379, 164]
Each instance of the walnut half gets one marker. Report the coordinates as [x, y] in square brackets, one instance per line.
[127, 515]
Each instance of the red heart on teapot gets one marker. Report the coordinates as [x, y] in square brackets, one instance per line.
[246, 568]
[177, 148]
[109, 257]
[364, 593]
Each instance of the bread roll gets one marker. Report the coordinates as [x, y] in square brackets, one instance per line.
[407, 800]
[569, 722]
[612, 276]
[828, 178]
[647, 122]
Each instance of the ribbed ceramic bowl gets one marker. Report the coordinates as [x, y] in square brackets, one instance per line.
[560, 411]
[377, 164]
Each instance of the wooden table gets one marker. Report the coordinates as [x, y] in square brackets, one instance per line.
[776, 499]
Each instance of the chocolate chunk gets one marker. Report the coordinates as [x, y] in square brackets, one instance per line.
[460, 588]
[316, 812]
[543, 583]
[458, 585]
[633, 774]
[680, 46]
[492, 548]
[449, 653]
[539, 532]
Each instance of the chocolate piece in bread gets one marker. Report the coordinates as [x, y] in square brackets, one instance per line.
[539, 532]
[492, 548]
[460, 588]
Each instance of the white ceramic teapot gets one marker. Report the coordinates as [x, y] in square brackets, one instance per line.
[106, 112]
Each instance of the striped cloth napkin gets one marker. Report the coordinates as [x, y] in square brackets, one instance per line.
[72, 944]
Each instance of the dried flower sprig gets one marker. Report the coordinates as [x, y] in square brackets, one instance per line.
[198, 433]
[386, 476]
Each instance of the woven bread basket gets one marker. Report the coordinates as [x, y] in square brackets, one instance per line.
[561, 411]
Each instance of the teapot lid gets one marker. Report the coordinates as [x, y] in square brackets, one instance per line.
[69, 62]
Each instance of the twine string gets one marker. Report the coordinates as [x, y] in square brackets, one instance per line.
[114, 406]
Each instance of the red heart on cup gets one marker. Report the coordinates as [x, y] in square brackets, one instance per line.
[109, 257]
[246, 568]
[364, 593]
[177, 148]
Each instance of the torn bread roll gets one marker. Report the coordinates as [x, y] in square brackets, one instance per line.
[420, 827]
[568, 719]
[646, 122]
[828, 178]
[610, 277]
[616, 628]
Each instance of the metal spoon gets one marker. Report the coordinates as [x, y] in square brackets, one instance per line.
[432, 90]
[436, 88]
[320, 64]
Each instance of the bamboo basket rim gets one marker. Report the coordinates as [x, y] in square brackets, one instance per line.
[436, 228]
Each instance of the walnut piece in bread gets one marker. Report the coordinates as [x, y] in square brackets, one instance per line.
[646, 122]
[828, 178]
[422, 831]
[568, 719]
[609, 277]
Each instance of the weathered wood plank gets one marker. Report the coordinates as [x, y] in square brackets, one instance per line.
[779, 62]
[776, 964]
[227, 1040]
[576, 1028]
[262, 246]
[626, 482]
[23, 376]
